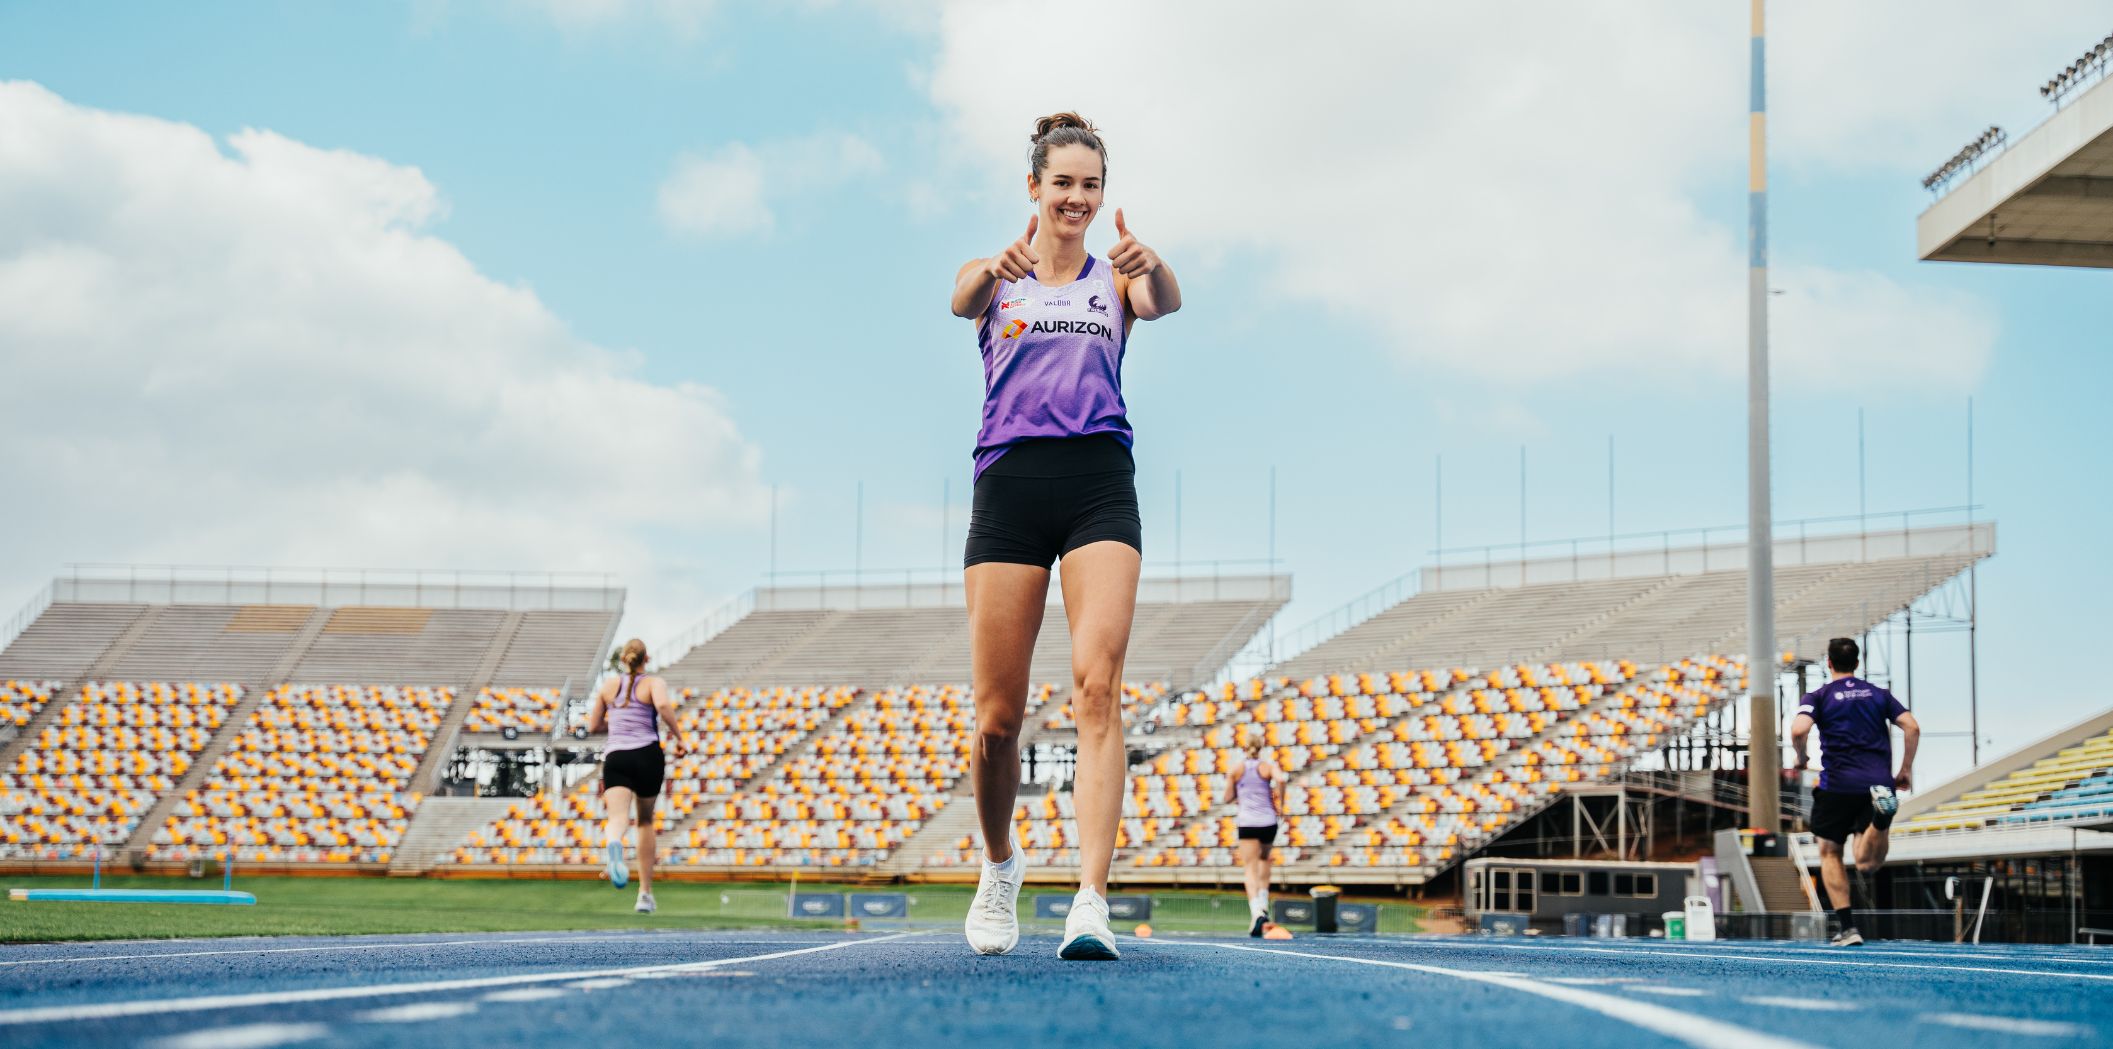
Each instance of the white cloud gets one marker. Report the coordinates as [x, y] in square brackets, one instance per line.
[1513, 193]
[263, 356]
[736, 190]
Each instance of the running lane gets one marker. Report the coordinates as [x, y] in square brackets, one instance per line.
[762, 989]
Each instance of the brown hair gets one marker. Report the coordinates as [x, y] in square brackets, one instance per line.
[1063, 129]
[631, 657]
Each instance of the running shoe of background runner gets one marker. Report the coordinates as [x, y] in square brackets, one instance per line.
[645, 902]
[1087, 937]
[993, 924]
[1848, 937]
[613, 863]
[1255, 929]
[1884, 801]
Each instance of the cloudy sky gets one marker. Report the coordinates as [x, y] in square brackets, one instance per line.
[575, 284]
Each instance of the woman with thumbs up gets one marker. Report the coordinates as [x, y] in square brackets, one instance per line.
[1054, 481]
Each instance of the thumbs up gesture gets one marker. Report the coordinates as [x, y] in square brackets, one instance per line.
[1130, 257]
[1019, 258]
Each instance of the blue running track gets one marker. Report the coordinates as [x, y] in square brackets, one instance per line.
[925, 989]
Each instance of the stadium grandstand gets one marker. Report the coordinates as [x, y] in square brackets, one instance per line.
[286, 717]
[830, 727]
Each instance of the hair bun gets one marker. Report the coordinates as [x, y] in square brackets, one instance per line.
[1060, 120]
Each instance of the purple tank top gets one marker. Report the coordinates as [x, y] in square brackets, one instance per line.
[634, 723]
[1258, 808]
[1052, 362]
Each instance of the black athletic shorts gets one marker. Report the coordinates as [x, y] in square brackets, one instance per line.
[1045, 498]
[1838, 814]
[639, 770]
[1266, 835]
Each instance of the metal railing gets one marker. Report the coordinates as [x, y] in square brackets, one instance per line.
[22, 619]
[93, 582]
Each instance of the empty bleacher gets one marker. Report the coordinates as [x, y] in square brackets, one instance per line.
[2074, 783]
[1184, 631]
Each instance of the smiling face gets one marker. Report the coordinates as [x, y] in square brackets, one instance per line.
[1069, 190]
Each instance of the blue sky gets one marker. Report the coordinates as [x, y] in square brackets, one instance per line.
[1409, 232]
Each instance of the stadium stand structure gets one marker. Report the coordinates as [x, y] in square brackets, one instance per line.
[289, 717]
[1186, 630]
[2064, 778]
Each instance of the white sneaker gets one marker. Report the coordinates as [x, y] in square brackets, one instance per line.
[645, 902]
[1087, 937]
[613, 863]
[993, 924]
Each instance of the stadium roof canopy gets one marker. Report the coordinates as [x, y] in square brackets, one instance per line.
[2047, 200]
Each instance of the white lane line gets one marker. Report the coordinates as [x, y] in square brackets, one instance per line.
[1666, 990]
[334, 947]
[1790, 961]
[157, 1006]
[525, 994]
[1700, 1031]
[417, 1012]
[1591, 981]
[600, 985]
[1816, 1005]
[2015, 957]
[245, 1036]
[2009, 1025]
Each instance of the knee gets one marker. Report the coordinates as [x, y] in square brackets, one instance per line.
[996, 731]
[1093, 699]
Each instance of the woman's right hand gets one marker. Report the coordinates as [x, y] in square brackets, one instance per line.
[1019, 258]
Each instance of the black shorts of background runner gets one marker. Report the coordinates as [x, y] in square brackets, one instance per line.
[639, 770]
[1266, 835]
[1837, 814]
[1045, 498]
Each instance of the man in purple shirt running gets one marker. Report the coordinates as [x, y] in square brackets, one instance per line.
[1855, 792]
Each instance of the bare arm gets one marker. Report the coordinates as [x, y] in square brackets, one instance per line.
[598, 714]
[1147, 284]
[978, 278]
[665, 704]
[1910, 738]
[1800, 735]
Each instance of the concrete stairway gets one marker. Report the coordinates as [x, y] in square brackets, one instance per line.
[437, 827]
[71, 691]
[202, 764]
[938, 834]
[442, 745]
[1782, 888]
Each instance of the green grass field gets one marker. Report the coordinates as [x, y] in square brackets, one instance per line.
[344, 906]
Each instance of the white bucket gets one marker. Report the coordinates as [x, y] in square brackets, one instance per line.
[1701, 919]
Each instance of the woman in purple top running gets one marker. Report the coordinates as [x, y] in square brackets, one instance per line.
[633, 707]
[1054, 481]
[1257, 794]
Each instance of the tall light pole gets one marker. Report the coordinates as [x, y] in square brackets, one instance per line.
[1763, 754]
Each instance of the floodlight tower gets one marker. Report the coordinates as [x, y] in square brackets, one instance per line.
[1763, 754]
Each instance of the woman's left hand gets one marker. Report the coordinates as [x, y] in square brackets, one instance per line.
[1129, 256]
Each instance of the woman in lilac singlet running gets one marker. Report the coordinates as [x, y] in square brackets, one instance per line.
[633, 707]
[1258, 795]
[1054, 481]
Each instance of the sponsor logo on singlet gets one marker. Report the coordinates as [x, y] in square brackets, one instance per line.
[1009, 304]
[1067, 328]
[1056, 302]
[1095, 303]
[1013, 329]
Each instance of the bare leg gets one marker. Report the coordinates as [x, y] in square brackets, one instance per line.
[616, 803]
[648, 839]
[1246, 852]
[1100, 598]
[1833, 874]
[1004, 615]
[1871, 849]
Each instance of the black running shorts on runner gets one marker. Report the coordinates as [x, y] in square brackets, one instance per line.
[639, 770]
[1045, 498]
[1838, 814]
[1266, 835]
